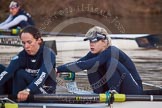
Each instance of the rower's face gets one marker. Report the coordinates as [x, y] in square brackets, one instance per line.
[14, 11]
[30, 44]
[97, 47]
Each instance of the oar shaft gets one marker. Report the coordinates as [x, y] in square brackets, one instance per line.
[143, 40]
[68, 98]
[123, 36]
[12, 31]
[93, 98]
[59, 98]
[17, 31]
[143, 98]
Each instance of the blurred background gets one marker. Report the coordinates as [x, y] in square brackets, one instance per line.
[120, 16]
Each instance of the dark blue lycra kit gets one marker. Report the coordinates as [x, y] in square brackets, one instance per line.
[23, 24]
[33, 72]
[112, 69]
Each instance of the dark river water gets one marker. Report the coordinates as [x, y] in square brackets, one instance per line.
[128, 25]
[148, 25]
[147, 61]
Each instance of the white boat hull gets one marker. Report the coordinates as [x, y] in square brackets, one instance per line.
[137, 104]
[64, 43]
[130, 104]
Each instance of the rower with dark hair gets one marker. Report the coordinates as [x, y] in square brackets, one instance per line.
[18, 18]
[31, 70]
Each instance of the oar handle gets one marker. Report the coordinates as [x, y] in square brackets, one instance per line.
[67, 98]
[12, 31]
[68, 76]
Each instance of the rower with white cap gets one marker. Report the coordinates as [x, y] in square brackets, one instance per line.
[108, 67]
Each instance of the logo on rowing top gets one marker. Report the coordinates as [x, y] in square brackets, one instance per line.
[33, 60]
